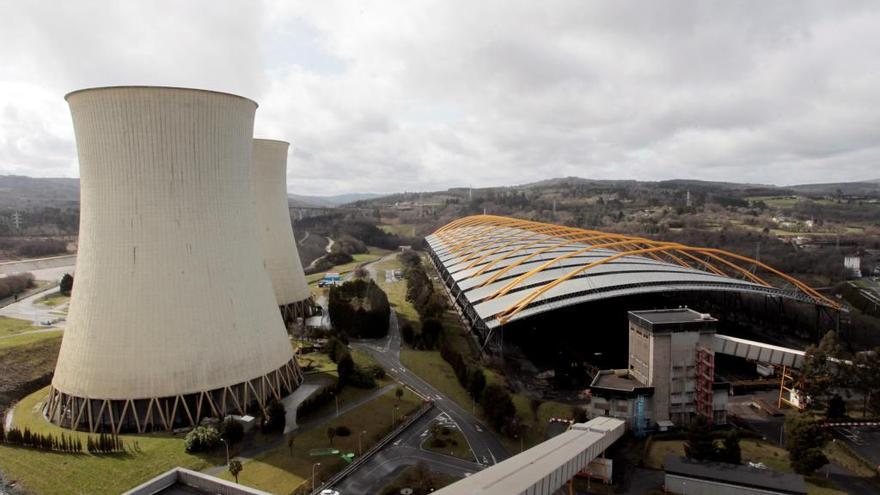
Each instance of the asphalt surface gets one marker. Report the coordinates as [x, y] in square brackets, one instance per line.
[405, 451]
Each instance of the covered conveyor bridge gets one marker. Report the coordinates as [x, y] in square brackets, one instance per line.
[546, 467]
[501, 269]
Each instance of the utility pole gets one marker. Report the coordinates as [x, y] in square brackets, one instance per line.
[16, 220]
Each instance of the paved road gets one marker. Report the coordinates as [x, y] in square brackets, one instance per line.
[27, 309]
[484, 444]
[405, 451]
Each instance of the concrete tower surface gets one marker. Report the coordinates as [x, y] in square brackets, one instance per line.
[173, 316]
[281, 258]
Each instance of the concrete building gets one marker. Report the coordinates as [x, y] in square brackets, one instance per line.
[280, 256]
[691, 477]
[180, 481]
[173, 316]
[670, 374]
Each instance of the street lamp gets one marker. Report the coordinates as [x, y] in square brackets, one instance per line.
[360, 436]
[394, 416]
[227, 449]
[337, 402]
[313, 474]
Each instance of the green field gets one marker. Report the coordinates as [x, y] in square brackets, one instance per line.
[359, 259]
[30, 338]
[282, 471]
[54, 473]
[396, 291]
[403, 229]
[12, 326]
[53, 299]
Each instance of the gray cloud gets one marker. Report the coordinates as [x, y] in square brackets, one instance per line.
[389, 96]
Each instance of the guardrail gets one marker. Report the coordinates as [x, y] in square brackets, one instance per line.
[427, 406]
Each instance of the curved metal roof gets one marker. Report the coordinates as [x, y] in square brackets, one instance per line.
[508, 269]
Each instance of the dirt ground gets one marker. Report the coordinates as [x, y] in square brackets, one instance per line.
[26, 368]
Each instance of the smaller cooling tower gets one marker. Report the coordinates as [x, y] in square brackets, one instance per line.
[173, 315]
[280, 256]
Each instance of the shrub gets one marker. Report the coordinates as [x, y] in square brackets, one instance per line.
[231, 430]
[201, 439]
[15, 283]
[277, 418]
[343, 431]
[498, 405]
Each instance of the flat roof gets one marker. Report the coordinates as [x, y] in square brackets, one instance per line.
[736, 475]
[672, 316]
[612, 379]
[522, 472]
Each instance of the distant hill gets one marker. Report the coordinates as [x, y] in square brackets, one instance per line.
[328, 201]
[868, 187]
[17, 191]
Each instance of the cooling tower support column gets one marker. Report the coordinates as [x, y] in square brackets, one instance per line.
[280, 256]
[173, 316]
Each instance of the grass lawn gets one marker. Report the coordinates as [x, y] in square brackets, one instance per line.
[396, 291]
[403, 229]
[54, 473]
[454, 444]
[30, 338]
[317, 362]
[12, 326]
[359, 259]
[282, 471]
[53, 299]
[434, 370]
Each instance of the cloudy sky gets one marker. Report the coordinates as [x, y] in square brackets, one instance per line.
[423, 95]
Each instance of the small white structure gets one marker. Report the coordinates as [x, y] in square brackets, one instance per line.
[854, 265]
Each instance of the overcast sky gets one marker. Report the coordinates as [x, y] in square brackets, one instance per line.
[424, 95]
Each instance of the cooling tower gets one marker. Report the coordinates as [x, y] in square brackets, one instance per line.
[173, 315]
[281, 258]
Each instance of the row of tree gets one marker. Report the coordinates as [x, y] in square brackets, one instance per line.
[829, 370]
[16, 283]
[359, 308]
[429, 303]
[103, 443]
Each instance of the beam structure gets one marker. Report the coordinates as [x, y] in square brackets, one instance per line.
[506, 268]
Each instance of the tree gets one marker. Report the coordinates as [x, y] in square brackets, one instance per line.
[476, 382]
[819, 374]
[231, 430]
[331, 432]
[431, 331]
[804, 441]
[66, 285]
[730, 451]
[277, 418]
[498, 405]
[199, 439]
[407, 333]
[399, 393]
[836, 407]
[345, 368]
[235, 468]
[290, 441]
[699, 445]
[865, 376]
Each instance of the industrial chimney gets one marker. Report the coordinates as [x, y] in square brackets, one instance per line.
[173, 315]
[280, 256]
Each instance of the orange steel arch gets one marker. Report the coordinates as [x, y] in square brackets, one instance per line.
[713, 259]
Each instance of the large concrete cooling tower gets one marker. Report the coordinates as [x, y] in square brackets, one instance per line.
[173, 316]
[269, 180]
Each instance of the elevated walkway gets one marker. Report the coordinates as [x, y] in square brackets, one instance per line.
[546, 467]
[759, 351]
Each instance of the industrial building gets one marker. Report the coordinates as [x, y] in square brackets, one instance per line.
[280, 255]
[686, 476]
[500, 270]
[670, 376]
[173, 315]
